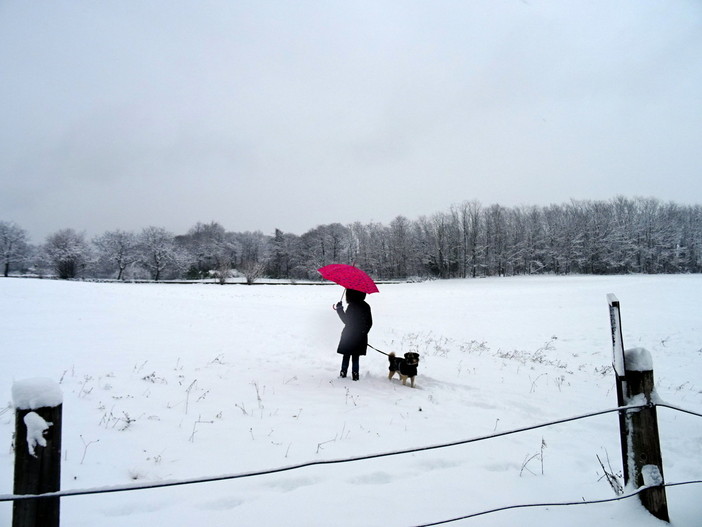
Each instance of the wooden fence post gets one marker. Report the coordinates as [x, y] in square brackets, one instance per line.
[38, 411]
[646, 467]
[641, 452]
[619, 365]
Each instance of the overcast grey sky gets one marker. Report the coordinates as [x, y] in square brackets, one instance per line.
[291, 114]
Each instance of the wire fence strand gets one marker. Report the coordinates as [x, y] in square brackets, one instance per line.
[225, 477]
[666, 405]
[558, 504]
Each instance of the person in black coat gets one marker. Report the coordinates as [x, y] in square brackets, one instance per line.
[357, 321]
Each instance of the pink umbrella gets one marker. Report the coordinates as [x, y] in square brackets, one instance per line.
[349, 277]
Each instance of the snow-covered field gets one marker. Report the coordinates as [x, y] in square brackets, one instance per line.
[168, 382]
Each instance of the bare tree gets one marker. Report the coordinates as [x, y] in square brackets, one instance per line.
[254, 251]
[440, 231]
[368, 247]
[690, 247]
[158, 252]
[117, 248]
[472, 227]
[595, 237]
[13, 245]
[68, 252]
[495, 240]
[399, 247]
[252, 271]
[212, 250]
[285, 255]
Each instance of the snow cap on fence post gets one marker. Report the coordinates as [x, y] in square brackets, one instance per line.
[39, 392]
[638, 359]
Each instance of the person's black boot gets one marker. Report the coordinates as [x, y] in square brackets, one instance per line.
[342, 374]
[355, 375]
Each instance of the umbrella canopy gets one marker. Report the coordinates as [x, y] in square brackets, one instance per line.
[350, 277]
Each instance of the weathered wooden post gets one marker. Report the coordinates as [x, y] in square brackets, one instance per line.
[38, 408]
[640, 443]
[646, 465]
[618, 363]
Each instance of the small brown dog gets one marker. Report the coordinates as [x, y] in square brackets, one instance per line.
[406, 368]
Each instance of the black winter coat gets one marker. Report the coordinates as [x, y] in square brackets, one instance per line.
[357, 321]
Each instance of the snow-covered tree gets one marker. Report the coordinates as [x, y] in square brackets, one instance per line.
[254, 252]
[14, 247]
[364, 249]
[284, 255]
[158, 252]
[496, 240]
[399, 247]
[326, 244]
[211, 250]
[117, 248]
[67, 252]
[623, 235]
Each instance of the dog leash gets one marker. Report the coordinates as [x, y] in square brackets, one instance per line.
[376, 349]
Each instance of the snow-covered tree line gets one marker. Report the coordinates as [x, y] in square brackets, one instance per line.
[640, 235]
